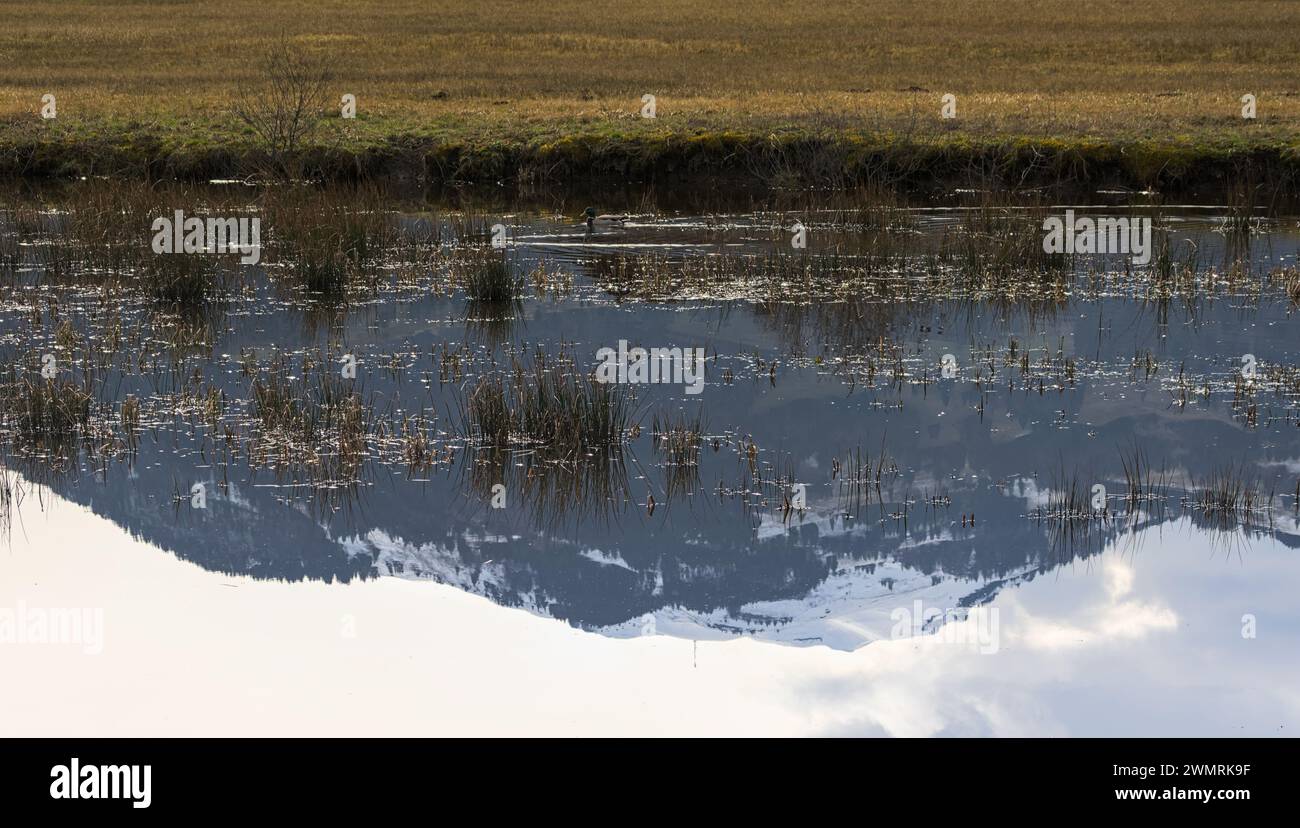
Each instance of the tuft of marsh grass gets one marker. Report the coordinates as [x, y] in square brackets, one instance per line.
[332, 241]
[1069, 501]
[45, 414]
[546, 405]
[678, 439]
[859, 478]
[417, 442]
[553, 437]
[1230, 493]
[1143, 484]
[129, 414]
[487, 276]
[1291, 284]
[997, 249]
[179, 279]
[104, 240]
[11, 239]
[318, 420]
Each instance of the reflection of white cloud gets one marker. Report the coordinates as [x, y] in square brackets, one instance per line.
[1128, 620]
[1119, 578]
[1103, 622]
[1106, 629]
[1135, 620]
[1291, 466]
[1027, 488]
[926, 687]
[429, 659]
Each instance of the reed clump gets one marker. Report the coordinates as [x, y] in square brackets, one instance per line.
[319, 419]
[45, 413]
[1230, 492]
[1144, 485]
[487, 276]
[1291, 284]
[331, 241]
[546, 405]
[678, 439]
[129, 414]
[181, 280]
[105, 241]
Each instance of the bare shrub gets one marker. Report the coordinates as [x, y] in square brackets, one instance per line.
[284, 106]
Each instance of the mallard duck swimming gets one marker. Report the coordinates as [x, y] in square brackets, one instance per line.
[606, 221]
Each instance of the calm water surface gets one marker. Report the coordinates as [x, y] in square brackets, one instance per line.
[931, 582]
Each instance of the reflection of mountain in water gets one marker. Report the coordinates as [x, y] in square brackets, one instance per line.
[700, 572]
[700, 566]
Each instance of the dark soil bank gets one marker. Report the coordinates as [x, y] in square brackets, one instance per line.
[1241, 172]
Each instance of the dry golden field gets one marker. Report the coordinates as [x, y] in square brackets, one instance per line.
[510, 71]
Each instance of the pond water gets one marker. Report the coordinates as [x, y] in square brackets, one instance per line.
[932, 483]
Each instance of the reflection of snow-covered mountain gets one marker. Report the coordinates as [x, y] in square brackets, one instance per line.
[441, 561]
[855, 606]
[857, 603]
[703, 563]
[819, 579]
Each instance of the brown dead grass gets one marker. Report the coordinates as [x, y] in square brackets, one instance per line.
[1153, 69]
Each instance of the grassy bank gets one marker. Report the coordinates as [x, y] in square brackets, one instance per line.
[774, 93]
[788, 156]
